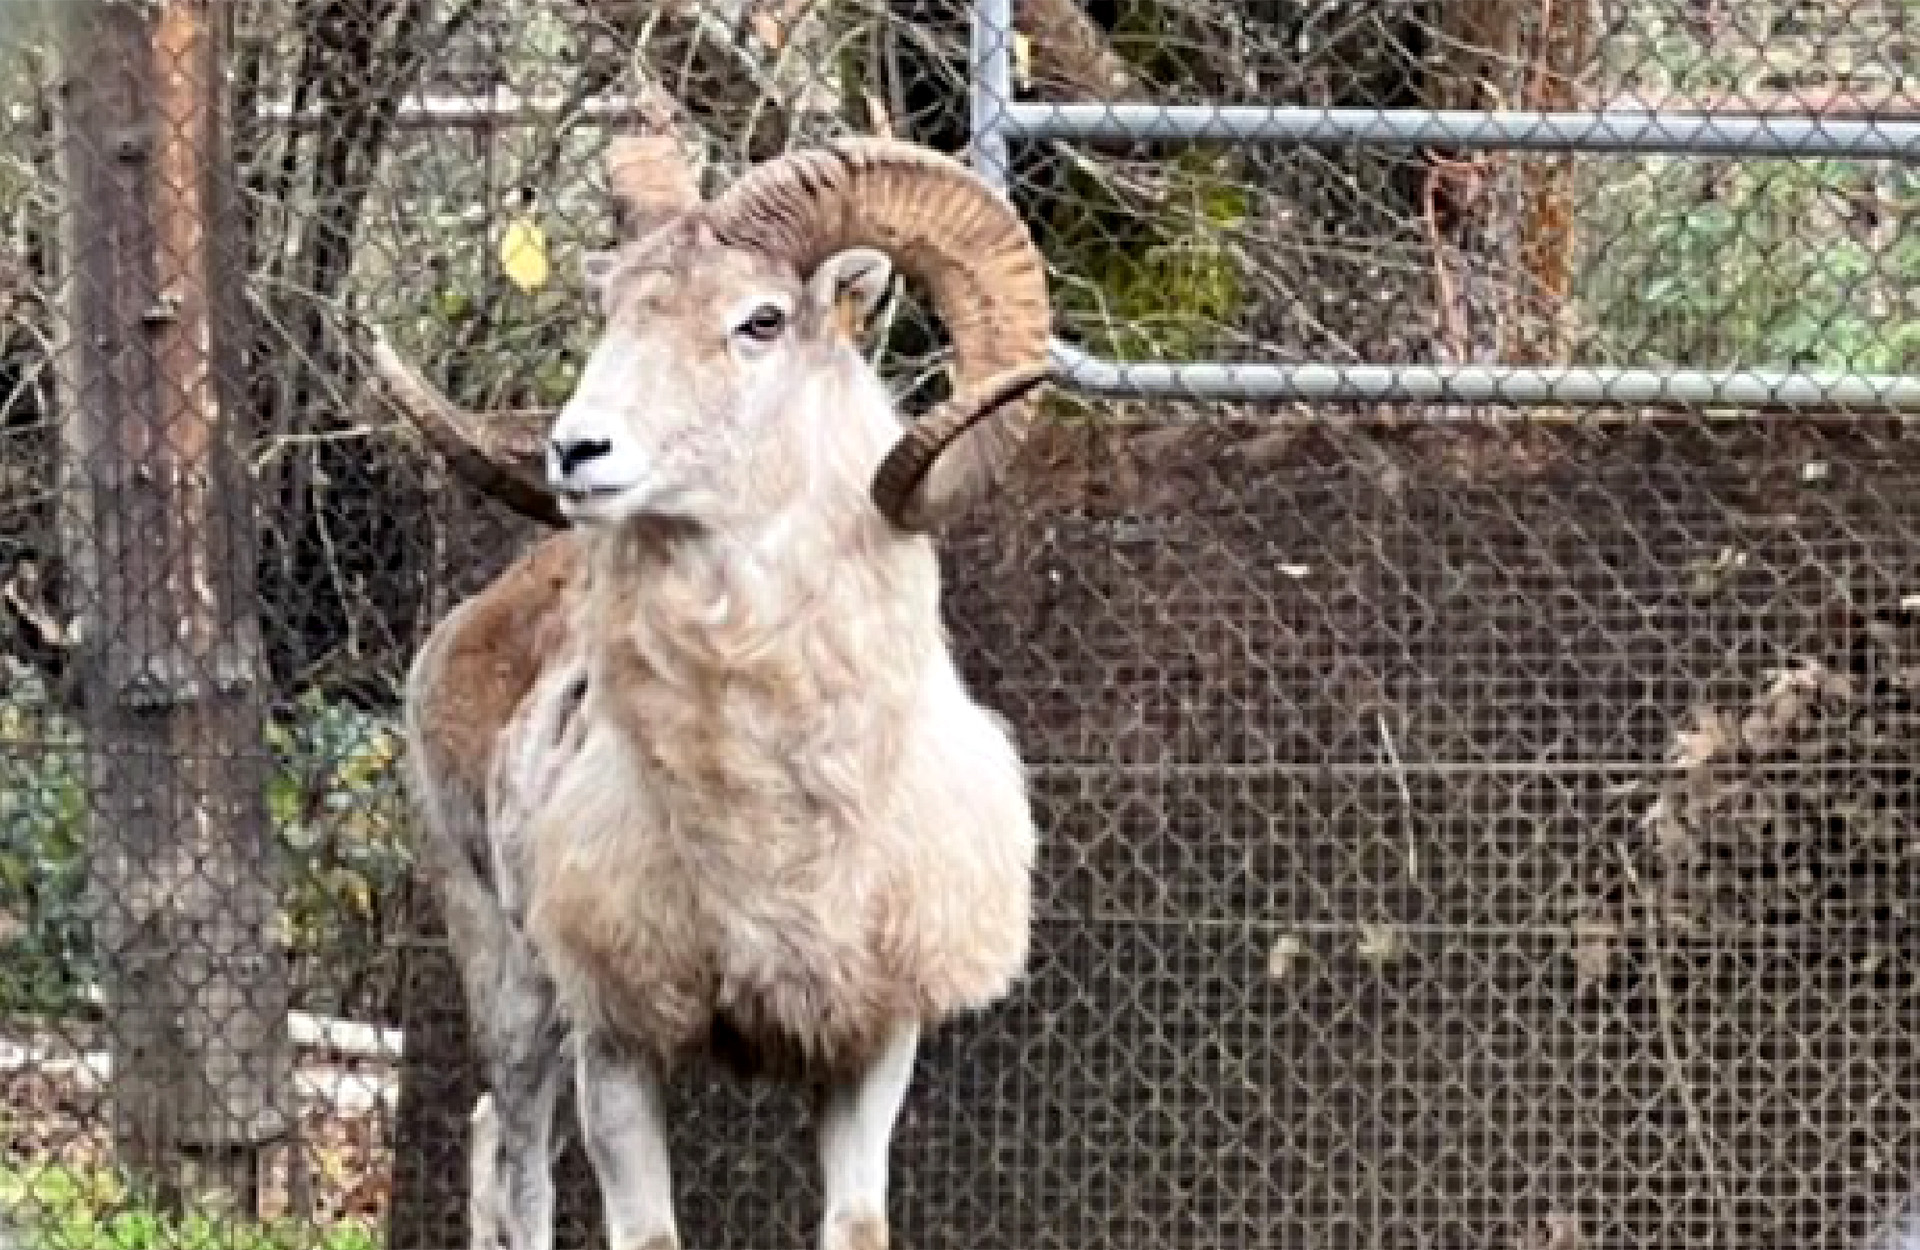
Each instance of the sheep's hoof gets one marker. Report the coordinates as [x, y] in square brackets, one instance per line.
[858, 1232]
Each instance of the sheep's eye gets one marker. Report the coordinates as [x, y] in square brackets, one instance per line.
[765, 324]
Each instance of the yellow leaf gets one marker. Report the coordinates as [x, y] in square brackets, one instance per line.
[523, 254]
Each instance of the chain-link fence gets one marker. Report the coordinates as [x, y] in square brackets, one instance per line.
[1465, 823]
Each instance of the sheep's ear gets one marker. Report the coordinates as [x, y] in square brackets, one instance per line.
[595, 268]
[849, 287]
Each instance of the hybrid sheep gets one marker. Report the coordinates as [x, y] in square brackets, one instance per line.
[698, 775]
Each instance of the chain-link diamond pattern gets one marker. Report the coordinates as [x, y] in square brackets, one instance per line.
[1465, 825]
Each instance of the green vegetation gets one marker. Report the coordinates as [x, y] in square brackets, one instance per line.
[1763, 264]
[339, 823]
[1164, 283]
[1758, 264]
[491, 342]
[340, 820]
[63, 1208]
[45, 955]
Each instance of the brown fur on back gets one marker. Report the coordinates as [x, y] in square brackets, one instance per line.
[489, 660]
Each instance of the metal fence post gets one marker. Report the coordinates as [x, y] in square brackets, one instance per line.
[998, 117]
[992, 93]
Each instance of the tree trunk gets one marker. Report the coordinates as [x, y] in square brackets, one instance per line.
[157, 535]
[1501, 227]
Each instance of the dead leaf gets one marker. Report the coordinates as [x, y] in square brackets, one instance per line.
[1162, 442]
[1269, 449]
[1287, 949]
[1557, 1231]
[1788, 699]
[1710, 737]
[1594, 942]
[1380, 944]
[1671, 837]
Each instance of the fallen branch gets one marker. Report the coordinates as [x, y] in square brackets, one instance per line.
[342, 1089]
[326, 1034]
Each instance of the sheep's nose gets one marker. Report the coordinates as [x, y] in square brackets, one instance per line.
[571, 453]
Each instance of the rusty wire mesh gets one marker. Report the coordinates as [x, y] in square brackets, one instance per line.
[1462, 828]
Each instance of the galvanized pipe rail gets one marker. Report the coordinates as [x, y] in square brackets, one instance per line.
[997, 119]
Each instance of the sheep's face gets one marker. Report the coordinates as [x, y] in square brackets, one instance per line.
[697, 404]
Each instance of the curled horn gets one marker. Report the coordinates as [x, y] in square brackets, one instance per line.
[502, 454]
[949, 230]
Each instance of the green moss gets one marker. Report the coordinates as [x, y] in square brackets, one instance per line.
[1165, 285]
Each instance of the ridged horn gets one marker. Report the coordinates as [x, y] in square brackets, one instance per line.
[946, 228]
[501, 454]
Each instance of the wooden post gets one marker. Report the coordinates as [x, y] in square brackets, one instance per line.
[157, 533]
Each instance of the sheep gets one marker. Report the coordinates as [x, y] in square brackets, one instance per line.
[698, 776]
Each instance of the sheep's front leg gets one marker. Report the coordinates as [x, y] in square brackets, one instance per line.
[856, 1132]
[511, 1205]
[623, 1117]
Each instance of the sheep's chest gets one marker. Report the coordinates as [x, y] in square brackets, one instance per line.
[798, 991]
[757, 839]
[776, 965]
[758, 749]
